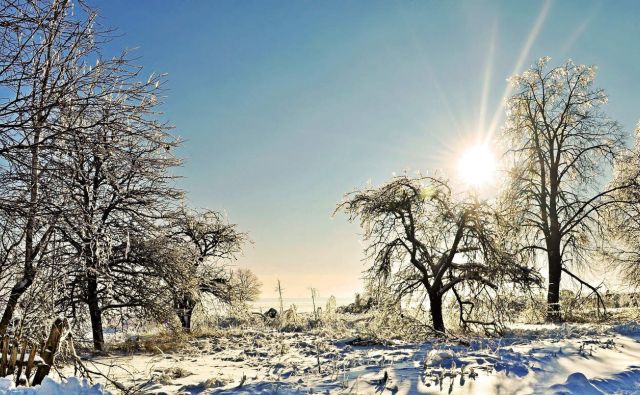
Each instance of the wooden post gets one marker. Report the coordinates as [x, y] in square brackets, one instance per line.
[14, 356]
[32, 357]
[4, 360]
[49, 349]
[21, 363]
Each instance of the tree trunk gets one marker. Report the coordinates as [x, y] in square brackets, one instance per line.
[555, 273]
[554, 240]
[94, 311]
[435, 304]
[29, 269]
[16, 292]
[184, 307]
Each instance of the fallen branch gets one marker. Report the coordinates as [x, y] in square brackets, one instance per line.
[600, 300]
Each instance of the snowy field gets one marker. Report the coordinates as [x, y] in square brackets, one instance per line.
[303, 305]
[529, 359]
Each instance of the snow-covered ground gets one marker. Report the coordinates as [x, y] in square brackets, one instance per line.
[49, 386]
[530, 359]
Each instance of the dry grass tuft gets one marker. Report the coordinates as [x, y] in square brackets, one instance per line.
[164, 342]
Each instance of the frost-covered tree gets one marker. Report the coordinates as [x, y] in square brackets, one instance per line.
[208, 240]
[117, 179]
[622, 246]
[423, 238]
[45, 52]
[87, 206]
[561, 144]
[244, 286]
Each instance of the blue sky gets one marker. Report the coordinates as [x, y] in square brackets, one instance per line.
[287, 105]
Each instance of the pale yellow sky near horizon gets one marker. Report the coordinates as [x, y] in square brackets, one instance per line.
[297, 269]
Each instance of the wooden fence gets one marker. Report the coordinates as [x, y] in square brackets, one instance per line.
[29, 362]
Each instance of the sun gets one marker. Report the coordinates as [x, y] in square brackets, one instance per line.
[477, 166]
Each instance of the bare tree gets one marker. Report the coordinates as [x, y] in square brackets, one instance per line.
[244, 286]
[210, 240]
[44, 69]
[85, 178]
[118, 182]
[561, 144]
[622, 220]
[420, 237]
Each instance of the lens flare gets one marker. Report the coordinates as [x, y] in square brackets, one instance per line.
[477, 166]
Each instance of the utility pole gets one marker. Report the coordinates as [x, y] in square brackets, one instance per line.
[279, 289]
